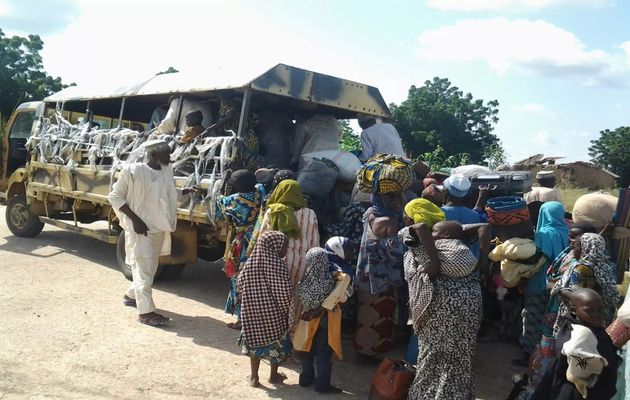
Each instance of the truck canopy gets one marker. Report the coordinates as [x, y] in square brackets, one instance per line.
[283, 87]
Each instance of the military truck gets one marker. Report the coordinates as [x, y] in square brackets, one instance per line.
[61, 156]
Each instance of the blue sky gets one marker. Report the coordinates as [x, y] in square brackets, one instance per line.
[559, 68]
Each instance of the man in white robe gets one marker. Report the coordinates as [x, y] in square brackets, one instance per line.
[145, 200]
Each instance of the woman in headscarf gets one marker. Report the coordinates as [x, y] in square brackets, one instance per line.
[318, 335]
[265, 291]
[445, 301]
[551, 238]
[240, 210]
[544, 352]
[287, 174]
[379, 274]
[286, 212]
[592, 270]
[563, 261]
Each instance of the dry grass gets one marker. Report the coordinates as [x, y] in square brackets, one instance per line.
[570, 195]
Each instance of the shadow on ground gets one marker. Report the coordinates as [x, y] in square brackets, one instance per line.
[205, 283]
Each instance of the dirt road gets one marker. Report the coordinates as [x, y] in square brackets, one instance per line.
[64, 333]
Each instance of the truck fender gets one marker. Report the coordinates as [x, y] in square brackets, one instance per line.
[15, 184]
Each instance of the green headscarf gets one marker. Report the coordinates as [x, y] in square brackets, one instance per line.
[422, 210]
[283, 201]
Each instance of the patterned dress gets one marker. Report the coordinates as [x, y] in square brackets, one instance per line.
[241, 210]
[379, 274]
[446, 320]
[447, 341]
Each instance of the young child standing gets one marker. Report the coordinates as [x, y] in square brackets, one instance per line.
[586, 360]
[265, 290]
[321, 290]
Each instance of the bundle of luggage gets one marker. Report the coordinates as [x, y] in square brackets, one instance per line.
[385, 174]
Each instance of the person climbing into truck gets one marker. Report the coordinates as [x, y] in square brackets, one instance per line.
[378, 138]
[145, 201]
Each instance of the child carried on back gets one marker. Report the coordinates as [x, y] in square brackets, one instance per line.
[456, 259]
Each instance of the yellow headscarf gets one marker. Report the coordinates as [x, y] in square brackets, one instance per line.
[422, 210]
[283, 201]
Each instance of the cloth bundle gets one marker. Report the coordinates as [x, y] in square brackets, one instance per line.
[597, 209]
[385, 174]
[509, 253]
[318, 178]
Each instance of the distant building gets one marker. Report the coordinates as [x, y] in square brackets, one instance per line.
[579, 173]
[587, 175]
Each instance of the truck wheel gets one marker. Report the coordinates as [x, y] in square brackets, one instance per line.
[20, 220]
[164, 272]
[212, 254]
[169, 272]
[120, 257]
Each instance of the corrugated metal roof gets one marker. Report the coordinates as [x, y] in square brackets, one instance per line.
[159, 84]
[282, 80]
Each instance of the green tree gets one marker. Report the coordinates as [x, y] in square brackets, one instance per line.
[350, 141]
[170, 70]
[22, 75]
[439, 114]
[610, 151]
[494, 156]
[438, 159]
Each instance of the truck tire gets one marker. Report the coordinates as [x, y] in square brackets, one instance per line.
[164, 272]
[20, 220]
[169, 272]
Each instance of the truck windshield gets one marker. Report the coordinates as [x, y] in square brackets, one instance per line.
[22, 127]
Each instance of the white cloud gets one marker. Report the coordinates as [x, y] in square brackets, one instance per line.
[523, 45]
[625, 46]
[111, 47]
[543, 138]
[533, 108]
[510, 5]
[4, 9]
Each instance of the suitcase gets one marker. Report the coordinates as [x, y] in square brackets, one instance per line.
[508, 183]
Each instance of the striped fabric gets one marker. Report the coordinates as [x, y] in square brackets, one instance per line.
[380, 139]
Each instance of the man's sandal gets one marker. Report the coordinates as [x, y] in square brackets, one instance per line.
[129, 302]
[154, 320]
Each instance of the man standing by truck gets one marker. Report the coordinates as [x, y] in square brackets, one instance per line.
[145, 201]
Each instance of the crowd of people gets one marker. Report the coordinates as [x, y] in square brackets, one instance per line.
[423, 263]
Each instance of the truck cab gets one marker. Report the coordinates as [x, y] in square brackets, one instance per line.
[13, 155]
